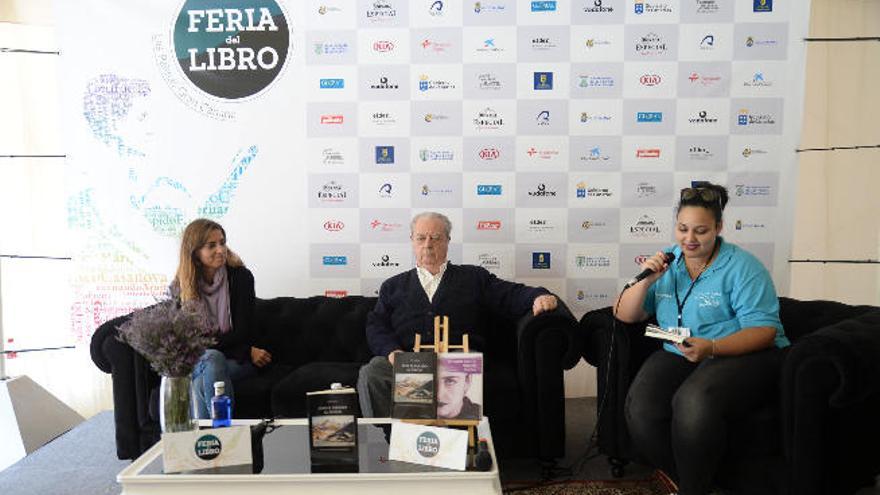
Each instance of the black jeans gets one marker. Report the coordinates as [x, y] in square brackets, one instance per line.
[677, 411]
[374, 386]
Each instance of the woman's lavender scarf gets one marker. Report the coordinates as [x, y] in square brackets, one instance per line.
[215, 297]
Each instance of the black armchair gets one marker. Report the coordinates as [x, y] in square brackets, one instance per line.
[821, 434]
[319, 340]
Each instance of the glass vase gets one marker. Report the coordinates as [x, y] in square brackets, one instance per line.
[176, 404]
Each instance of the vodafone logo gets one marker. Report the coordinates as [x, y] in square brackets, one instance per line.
[333, 225]
[650, 80]
[489, 225]
[490, 154]
[383, 46]
[648, 153]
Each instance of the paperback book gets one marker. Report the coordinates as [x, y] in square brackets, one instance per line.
[675, 335]
[460, 385]
[333, 439]
[414, 396]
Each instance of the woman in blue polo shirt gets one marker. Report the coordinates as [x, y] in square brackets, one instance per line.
[723, 296]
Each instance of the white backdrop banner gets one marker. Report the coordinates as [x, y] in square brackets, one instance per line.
[554, 134]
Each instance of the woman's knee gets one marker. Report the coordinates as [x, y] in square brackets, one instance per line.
[643, 412]
[213, 356]
[694, 413]
[211, 361]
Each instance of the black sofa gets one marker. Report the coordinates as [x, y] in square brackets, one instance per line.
[319, 340]
[822, 434]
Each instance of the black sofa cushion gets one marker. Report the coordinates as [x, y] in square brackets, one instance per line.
[300, 331]
[253, 395]
[288, 395]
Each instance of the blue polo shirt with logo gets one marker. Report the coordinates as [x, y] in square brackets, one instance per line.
[735, 292]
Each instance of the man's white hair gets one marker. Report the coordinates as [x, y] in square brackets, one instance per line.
[432, 215]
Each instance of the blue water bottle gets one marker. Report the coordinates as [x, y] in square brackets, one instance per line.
[221, 406]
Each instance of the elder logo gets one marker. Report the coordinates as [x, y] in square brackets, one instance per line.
[489, 261]
[648, 153]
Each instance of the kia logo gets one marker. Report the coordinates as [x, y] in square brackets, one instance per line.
[383, 46]
[334, 225]
[650, 80]
[641, 259]
[489, 154]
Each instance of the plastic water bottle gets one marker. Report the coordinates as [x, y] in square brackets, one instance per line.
[221, 406]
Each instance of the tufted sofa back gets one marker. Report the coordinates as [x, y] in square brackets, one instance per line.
[801, 318]
[319, 328]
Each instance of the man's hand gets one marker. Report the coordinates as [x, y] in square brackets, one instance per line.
[547, 302]
[260, 357]
[391, 356]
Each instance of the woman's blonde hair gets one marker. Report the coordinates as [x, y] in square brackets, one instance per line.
[195, 236]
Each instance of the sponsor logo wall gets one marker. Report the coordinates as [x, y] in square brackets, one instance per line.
[555, 134]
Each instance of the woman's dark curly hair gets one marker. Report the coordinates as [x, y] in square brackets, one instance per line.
[713, 197]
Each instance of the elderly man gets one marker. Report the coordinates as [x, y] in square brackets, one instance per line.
[409, 301]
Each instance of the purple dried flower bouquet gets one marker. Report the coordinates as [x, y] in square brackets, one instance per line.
[171, 337]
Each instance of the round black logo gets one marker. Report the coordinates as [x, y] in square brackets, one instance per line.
[208, 447]
[231, 49]
[427, 444]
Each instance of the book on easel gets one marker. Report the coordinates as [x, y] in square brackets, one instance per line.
[333, 440]
[460, 385]
[457, 401]
[414, 385]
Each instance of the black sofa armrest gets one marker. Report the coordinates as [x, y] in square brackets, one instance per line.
[560, 319]
[630, 343]
[830, 386]
[546, 345]
[617, 350]
[134, 388]
[107, 330]
[851, 347]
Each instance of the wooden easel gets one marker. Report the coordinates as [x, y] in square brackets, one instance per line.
[441, 338]
[441, 344]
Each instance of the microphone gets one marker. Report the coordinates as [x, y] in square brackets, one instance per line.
[483, 459]
[670, 257]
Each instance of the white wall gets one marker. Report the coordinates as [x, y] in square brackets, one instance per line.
[838, 201]
[35, 293]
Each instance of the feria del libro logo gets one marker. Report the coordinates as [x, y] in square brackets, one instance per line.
[231, 49]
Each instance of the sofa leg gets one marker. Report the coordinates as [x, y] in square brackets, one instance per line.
[617, 466]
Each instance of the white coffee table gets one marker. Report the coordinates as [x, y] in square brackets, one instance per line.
[287, 470]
